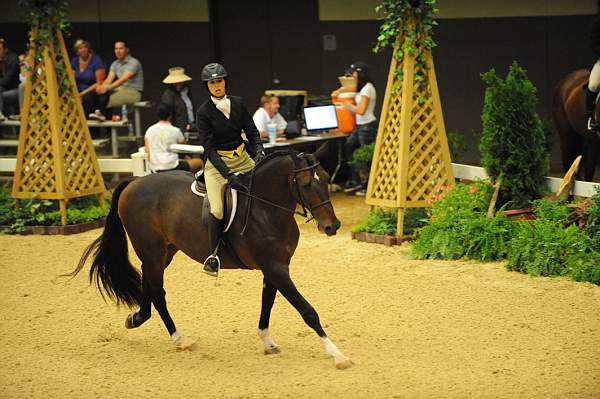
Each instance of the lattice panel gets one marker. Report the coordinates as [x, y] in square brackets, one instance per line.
[76, 147]
[425, 163]
[55, 158]
[385, 180]
[38, 174]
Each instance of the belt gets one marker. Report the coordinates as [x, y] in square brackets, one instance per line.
[232, 153]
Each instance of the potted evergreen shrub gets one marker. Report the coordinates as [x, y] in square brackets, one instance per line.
[513, 142]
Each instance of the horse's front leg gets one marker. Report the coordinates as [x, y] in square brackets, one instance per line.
[279, 276]
[268, 298]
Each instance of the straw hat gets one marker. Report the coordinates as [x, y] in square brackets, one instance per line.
[176, 75]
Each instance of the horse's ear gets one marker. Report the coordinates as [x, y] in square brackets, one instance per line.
[321, 152]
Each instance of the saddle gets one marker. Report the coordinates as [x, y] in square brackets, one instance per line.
[198, 187]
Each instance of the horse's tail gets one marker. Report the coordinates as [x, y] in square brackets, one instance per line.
[111, 269]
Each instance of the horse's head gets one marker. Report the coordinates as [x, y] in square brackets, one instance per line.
[311, 190]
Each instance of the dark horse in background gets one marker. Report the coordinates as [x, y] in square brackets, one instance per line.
[162, 216]
[568, 112]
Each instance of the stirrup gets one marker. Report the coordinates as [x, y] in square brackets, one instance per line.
[591, 124]
[210, 267]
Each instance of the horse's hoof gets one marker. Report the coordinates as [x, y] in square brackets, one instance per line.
[129, 322]
[344, 364]
[184, 343]
[272, 351]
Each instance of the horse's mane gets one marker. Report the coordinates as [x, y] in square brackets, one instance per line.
[272, 155]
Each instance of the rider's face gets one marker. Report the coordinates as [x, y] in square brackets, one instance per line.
[216, 87]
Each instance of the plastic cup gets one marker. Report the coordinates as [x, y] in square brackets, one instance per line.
[272, 132]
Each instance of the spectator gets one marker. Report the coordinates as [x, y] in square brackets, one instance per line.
[124, 84]
[269, 113]
[157, 143]
[90, 72]
[366, 122]
[177, 95]
[9, 78]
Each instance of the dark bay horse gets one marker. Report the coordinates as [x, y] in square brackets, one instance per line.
[568, 112]
[162, 216]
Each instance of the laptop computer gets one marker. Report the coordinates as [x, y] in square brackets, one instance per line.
[320, 118]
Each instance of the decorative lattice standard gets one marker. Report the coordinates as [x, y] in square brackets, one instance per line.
[411, 161]
[55, 158]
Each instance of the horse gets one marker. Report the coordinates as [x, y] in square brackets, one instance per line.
[161, 216]
[568, 113]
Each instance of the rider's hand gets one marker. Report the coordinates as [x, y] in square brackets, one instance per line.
[235, 182]
[259, 156]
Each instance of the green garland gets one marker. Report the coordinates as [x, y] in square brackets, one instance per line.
[45, 16]
[413, 19]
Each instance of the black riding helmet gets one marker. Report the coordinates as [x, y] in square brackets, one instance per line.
[212, 71]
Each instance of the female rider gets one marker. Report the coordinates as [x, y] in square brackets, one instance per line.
[220, 121]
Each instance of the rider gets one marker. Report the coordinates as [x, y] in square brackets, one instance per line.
[221, 120]
[593, 85]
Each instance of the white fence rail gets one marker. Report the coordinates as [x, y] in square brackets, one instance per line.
[138, 166]
[580, 188]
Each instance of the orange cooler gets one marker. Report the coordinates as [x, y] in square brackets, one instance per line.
[346, 118]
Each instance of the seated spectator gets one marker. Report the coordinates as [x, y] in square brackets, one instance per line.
[23, 74]
[90, 72]
[124, 84]
[157, 144]
[177, 95]
[269, 113]
[9, 78]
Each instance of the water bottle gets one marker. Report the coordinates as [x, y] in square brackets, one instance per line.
[124, 113]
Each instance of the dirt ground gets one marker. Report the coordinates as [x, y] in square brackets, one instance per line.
[414, 329]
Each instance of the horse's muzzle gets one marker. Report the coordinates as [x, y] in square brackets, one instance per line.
[331, 229]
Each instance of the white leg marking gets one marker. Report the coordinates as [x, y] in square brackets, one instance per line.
[270, 345]
[181, 341]
[341, 361]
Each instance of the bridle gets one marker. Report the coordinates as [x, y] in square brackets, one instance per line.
[306, 207]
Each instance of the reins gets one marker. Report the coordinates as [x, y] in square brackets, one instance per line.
[306, 208]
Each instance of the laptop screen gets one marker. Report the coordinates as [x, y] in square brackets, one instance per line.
[322, 117]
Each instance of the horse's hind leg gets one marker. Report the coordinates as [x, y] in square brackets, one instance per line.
[135, 320]
[280, 278]
[268, 298]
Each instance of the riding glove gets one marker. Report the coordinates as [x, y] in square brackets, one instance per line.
[235, 182]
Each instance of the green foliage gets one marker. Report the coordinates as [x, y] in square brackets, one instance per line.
[593, 221]
[45, 17]
[361, 159]
[456, 142]
[550, 246]
[36, 212]
[384, 221]
[458, 227]
[414, 218]
[379, 221]
[414, 20]
[513, 139]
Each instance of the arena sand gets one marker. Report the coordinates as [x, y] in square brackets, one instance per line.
[414, 329]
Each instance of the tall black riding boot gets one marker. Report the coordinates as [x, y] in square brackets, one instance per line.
[215, 231]
[590, 108]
